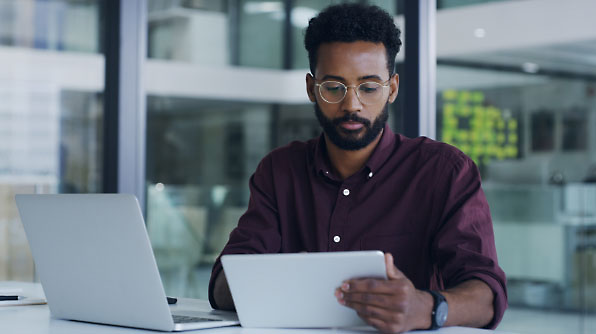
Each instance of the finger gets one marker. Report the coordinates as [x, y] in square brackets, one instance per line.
[389, 302]
[371, 285]
[339, 294]
[392, 272]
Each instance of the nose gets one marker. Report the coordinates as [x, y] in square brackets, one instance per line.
[351, 103]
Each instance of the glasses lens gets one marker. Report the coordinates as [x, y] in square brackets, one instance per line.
[370, 92]
[332, 91]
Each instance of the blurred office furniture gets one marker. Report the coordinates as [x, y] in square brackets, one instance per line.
[221, 231]
[16, 262]
[178, 34]
[546, 242]
[177, 229]
[188, 226]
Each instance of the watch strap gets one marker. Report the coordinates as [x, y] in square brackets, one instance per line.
[438, 298]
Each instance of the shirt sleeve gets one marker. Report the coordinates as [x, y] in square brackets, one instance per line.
[464, 244]
[258, 229]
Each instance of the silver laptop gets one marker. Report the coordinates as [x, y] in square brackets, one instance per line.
[95, 263]
[297, 290]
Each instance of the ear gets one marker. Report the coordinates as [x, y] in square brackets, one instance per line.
[393, 88]
[310, 87]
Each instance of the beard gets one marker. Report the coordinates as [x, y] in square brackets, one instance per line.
[351, 140]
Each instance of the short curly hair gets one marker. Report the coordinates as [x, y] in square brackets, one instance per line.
[350, 23]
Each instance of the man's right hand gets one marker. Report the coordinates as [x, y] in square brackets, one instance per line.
[222, 294]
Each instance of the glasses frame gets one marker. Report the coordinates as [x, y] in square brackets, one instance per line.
[355, 87]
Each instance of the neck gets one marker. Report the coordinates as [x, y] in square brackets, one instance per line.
[347, 163]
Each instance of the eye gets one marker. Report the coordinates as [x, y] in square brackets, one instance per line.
[333, 87]
[369, 87]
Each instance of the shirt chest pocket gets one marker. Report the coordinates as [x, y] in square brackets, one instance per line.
[406, 249]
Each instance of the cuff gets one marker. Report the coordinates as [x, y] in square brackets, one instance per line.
[499, 292]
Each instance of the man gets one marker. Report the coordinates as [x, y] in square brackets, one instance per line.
[361, 187]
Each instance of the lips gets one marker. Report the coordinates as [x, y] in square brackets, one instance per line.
[351, 125]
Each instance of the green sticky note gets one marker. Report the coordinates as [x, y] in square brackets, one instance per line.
[449, 94]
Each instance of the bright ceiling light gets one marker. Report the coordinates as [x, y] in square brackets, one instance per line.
[479, 33]
[529, 67]
[263, 7]
[300, 16]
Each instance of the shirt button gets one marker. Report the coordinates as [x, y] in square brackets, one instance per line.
[370, 175]
[336, 238]
[346, 192]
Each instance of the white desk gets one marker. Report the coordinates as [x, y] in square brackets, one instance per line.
[36, 319]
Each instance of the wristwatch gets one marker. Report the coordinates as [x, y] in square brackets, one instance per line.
[438, 317]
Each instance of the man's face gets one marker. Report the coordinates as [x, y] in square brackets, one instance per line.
[352, 124]
[348, 139]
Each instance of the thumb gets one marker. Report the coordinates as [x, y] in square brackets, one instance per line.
[392, 272]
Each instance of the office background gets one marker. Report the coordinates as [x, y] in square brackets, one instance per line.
[223, 84]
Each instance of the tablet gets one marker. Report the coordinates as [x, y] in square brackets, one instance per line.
[297, 290]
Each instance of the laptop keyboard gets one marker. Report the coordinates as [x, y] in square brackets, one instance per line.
[183, 319]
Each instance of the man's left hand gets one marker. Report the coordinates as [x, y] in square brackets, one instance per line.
[392, 306]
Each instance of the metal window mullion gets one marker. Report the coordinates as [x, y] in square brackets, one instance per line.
[111, 47]
[233, 10]
[420, 69]
[132, 112]
[428, 68]
[288, 42]
[124, 111]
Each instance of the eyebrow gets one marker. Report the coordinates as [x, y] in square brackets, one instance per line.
[335, 77]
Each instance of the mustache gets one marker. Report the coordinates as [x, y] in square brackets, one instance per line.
[351, 117]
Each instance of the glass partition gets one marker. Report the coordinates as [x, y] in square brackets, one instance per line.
[519, 99]
[181, 30]
[260, 33]
[217, 33]
[200, 155]
[51, 84]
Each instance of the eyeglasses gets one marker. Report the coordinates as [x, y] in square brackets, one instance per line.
[368, 92]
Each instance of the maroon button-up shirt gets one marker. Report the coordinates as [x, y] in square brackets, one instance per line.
[418, 199]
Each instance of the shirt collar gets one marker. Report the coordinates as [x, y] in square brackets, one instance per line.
[383, 150]
[381, 153]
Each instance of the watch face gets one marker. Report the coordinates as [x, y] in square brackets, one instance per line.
[441, 314]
